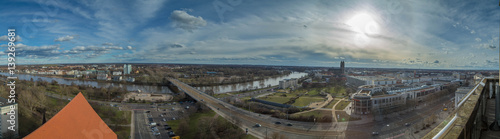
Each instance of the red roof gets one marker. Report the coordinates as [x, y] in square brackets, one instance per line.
[77, 120]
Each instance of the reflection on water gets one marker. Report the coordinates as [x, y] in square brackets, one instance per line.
[129, 87]
[250, 85]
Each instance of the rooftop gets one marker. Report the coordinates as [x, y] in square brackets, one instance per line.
[77, 120]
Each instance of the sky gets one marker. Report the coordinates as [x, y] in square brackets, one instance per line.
[427, 34]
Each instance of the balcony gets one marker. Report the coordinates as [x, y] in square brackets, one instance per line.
[473, 115]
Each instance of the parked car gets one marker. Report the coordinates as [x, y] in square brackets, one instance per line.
[374, 133]
[289, 124]
[258, 125]
[277, 123]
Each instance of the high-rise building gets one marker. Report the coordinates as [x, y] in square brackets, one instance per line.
[127, 68]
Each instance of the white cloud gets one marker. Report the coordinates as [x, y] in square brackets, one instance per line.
[6, 38]
[183, 20]
[129, 47]
[65, 38]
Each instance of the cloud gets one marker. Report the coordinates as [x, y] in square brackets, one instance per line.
[108, 44]
[181, 19]
[478, 39]
[6, 38]
[129, 47]
[65, 38]
[36, 51]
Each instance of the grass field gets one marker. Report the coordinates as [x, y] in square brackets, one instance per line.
[342, 105]
[304, 101]
[331, 90]
[333, 103]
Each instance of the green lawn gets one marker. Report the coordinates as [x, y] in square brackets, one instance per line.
[331, 90]
[333, 103]
[304, 101]
[342, 105]
[314, 92]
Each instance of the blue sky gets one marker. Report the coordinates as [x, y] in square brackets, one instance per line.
[385, 33]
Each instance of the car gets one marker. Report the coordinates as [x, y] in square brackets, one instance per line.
[277, 123]
[173, 118]
[156, 133]
[374, 133]
[201, 99]
[168, 128]
[164, 120]
[148, 111]
[289, 124]
[173, 109]
[171, 134]
[258, 125]
[407, 124]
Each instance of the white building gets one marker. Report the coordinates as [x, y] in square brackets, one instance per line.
[289, 83]
[127, 69]
[370, 80]
[460, 93]
[117, 73]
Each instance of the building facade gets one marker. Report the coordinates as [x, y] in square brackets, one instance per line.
[289, 83]
[127, 68]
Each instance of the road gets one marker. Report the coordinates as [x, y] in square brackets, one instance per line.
[395, 127]
[245, 119]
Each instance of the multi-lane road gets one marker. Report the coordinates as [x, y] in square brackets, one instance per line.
[245, 119]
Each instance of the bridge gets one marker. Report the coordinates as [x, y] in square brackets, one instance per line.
[245, 119]
[476, 115]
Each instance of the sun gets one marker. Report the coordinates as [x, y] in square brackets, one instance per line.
[363, 23]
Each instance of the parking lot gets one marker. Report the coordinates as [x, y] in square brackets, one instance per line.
[158, 114]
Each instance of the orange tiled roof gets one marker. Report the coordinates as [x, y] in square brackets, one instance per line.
[77, 120]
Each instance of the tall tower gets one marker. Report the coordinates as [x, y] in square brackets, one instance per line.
[342, 67]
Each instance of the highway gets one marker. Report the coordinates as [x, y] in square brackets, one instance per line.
[245, 119]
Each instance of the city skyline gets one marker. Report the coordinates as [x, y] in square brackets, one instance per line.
[383, 34]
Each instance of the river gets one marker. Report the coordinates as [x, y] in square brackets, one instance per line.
[250, 85]
[129, 87]
[165, 89]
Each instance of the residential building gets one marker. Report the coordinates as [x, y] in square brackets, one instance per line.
[117, 73]
[127, 68]
[289, 83]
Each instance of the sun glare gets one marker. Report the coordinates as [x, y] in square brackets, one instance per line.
[363, 23]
